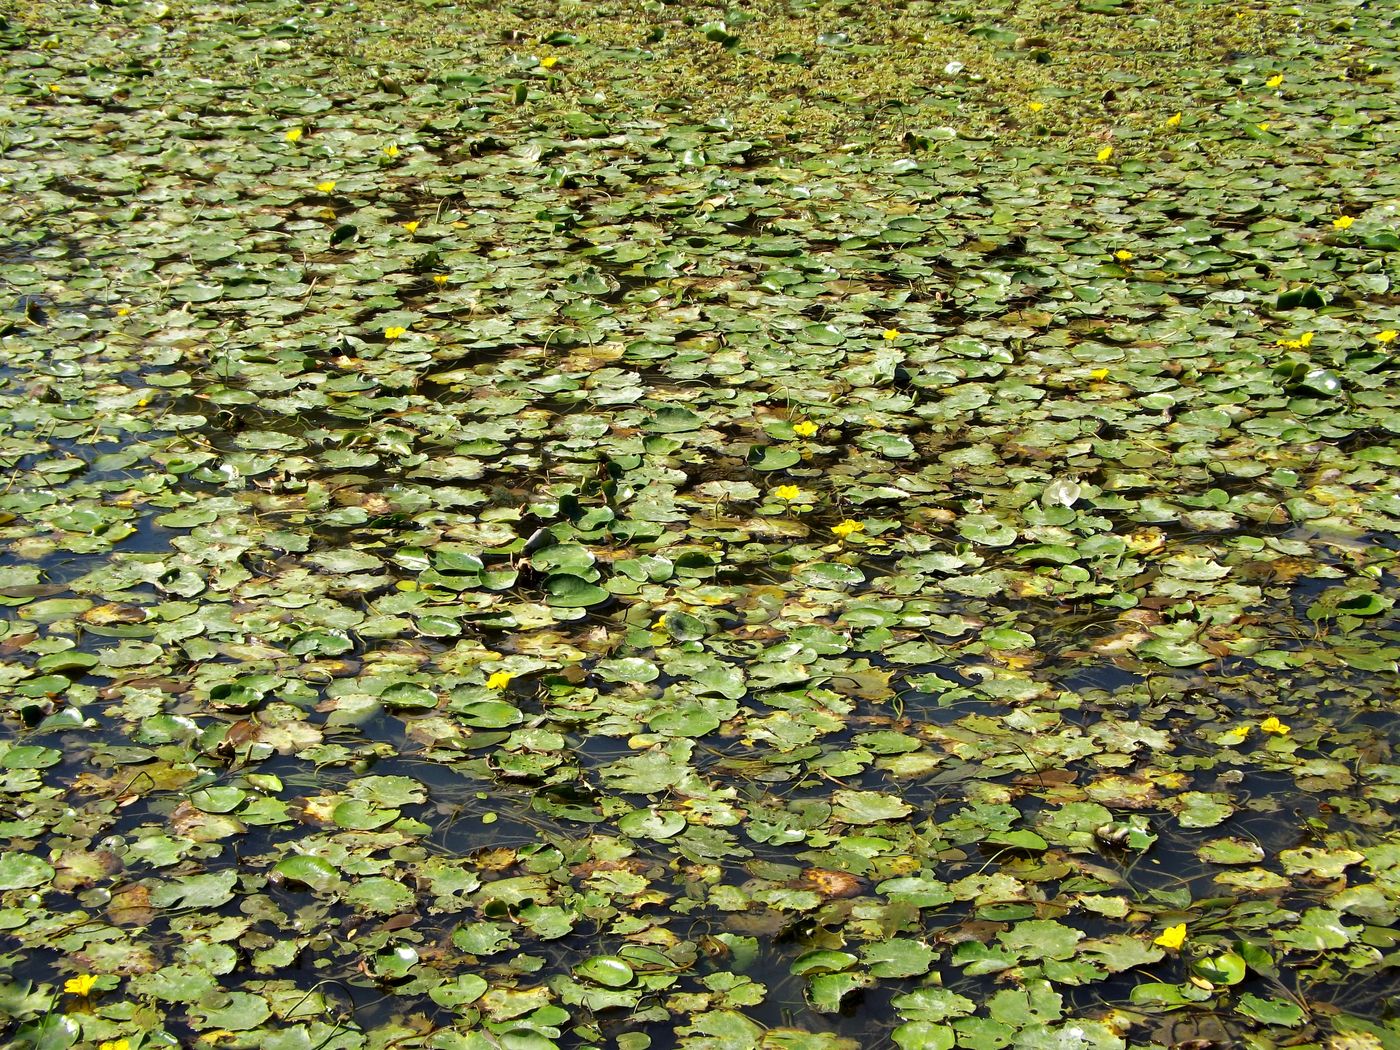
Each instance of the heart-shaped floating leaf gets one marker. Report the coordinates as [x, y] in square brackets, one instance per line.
[358, 815]
[822, 961]
[652, 823]
[674, 419]
[574, 592]
[20, 871]
[607, 970]
[1225, 968]
[460, 992]
[829, 991]
[314, 872]
[774, 458]
[487, 714]
[30, 756]
[408, 696]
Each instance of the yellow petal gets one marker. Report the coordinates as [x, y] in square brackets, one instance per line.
[1172, 936]
[80, 985]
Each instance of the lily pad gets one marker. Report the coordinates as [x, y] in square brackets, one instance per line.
[607, 970]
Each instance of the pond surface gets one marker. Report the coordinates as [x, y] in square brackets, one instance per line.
[797, 527]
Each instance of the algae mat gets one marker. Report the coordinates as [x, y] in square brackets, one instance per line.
[801, 526]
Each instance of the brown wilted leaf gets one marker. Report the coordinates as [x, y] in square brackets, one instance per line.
[397, 922]
[833, 884]
[195, 824]
[113, 614]
[316, 809]
[77, 868]
[497, 859]
[131, 906]
[590, 867]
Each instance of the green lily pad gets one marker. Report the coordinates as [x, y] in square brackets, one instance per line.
[607, 970]
[314, 872]
[868, 807]
[822, 961]
[572, 592]
[21, 871]
[1270, 1011]
[652, 823]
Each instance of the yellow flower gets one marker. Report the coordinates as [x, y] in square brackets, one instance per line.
[891, 334]
[114, 1044]
[391, 151]
[1274, 81]
[1174, 121]
[787, 492]
[549, 62]
[326, 187]
[293, 135]
[1300, 343]
[54, 88]
[439, 279]
[80, 985]
[499, 680]
[412, 227]
[1273, 725]
[1342, 222]
[1036, 107]
[845, 528]
[393, 332]
[1263, 125]
[805, 429]
[1099, 374]
[1388, 336]
[123, 311]
[1122, 255]
[1105, 153]
[1172, 936]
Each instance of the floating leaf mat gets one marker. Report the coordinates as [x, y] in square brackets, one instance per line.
[801, 526]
